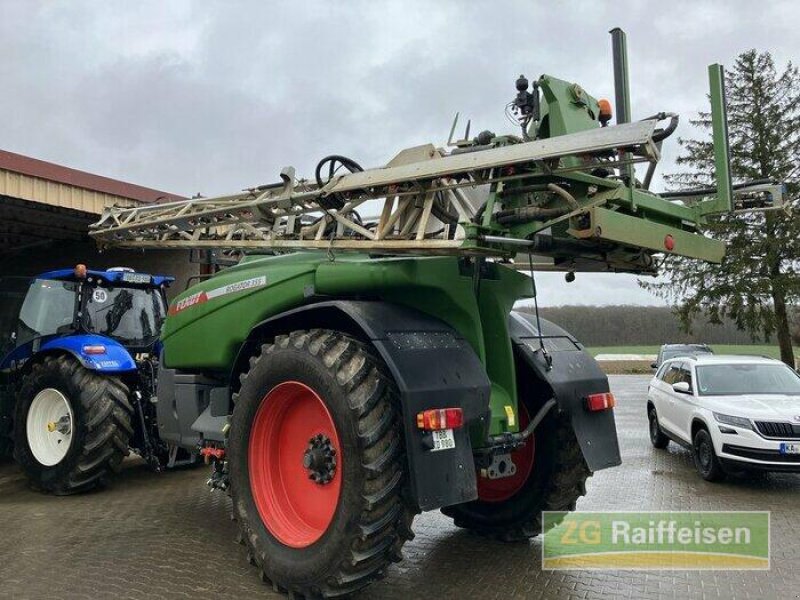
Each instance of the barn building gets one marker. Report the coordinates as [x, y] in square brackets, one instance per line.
[45, 211]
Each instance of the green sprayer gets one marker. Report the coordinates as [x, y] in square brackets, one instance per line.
[351, 371]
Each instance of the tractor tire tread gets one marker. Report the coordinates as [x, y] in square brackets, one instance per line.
[384, 525]
[108, 418]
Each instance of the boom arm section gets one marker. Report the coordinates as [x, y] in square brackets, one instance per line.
[564, 192]
[431, 202]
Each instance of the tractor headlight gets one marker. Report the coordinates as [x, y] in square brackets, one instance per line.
[735, 421]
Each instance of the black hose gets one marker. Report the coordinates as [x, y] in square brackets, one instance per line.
[479, 214]
[446, 218]
[530, 213]
[659, 135]
[517, 216]
[711, 190]
[441, 213]
[334, 200]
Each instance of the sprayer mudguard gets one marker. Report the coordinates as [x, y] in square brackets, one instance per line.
[434, 367]
[573, 375]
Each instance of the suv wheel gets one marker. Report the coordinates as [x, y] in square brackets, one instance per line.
[705, 458]
[657, 437]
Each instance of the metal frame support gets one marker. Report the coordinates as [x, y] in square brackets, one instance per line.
[622, 90]
[722, 154]
[622, 94]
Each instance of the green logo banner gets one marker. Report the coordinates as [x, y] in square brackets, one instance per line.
[656, 540]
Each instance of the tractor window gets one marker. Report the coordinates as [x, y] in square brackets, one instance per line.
[133, 316]
[12, 294]
[49, 308]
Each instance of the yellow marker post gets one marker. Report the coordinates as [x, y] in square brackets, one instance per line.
[512, 419]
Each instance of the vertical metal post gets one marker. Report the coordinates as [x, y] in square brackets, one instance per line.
[622, 91]
[722, 152]
[622, 96]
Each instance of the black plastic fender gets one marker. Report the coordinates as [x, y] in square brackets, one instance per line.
[572, 375]
[433, 367]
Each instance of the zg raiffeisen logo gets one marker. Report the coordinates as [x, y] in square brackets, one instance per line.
[656, 540]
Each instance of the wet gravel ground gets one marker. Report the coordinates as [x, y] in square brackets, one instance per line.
[167, 536]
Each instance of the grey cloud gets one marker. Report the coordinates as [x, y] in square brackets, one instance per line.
[214, 96]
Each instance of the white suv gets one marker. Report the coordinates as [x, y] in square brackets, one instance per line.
[736, 413]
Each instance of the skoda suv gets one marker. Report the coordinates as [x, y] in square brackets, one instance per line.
[735, 413]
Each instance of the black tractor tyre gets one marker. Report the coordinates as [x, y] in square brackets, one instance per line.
[7, 398]
[556, 482]
[6, 447]
[657, 437]
[705, 458]
[101, 429]
[372, 519]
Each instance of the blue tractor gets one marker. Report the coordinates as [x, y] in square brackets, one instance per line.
[79, 373]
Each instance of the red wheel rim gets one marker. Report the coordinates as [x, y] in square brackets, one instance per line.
[498, 490]
[294, 508]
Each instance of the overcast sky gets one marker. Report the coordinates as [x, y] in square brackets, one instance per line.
[212, 97]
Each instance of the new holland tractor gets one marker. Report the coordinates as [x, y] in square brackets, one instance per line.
[354, 370]
[78, 376]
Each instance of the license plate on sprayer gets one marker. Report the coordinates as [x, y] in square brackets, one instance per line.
[787, 448]
[443, 440]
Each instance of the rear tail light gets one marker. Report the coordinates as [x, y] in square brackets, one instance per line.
[94, 349]
[440, 418]
[598, 402]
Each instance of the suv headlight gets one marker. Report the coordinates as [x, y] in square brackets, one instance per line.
[735, 421]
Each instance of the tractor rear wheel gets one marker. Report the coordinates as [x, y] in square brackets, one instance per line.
[317, 465]
[549, 474]
[72, 426]
[6, 447]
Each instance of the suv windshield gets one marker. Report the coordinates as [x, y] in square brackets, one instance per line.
[739, 379]
[133, 316]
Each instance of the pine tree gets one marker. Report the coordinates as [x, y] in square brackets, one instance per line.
[758, 282]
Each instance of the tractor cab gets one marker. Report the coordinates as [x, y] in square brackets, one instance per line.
[119, 303]
[106, 322]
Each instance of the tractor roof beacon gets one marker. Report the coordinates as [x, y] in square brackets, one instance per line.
[366, 369]
[79, 375]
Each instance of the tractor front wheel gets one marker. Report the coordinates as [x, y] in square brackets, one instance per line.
[72, 426]
[317, 465]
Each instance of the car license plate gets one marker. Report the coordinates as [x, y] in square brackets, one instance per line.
[443, 440]
[790, 448]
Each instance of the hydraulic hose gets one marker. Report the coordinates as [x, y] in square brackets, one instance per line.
[531, 213]
[659, 135]
[557, 189]
[513, 439]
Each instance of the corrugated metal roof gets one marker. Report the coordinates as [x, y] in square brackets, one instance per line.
[41, 169]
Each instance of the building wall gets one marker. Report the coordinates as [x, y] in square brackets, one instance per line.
[67, 254]
[36, 189]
